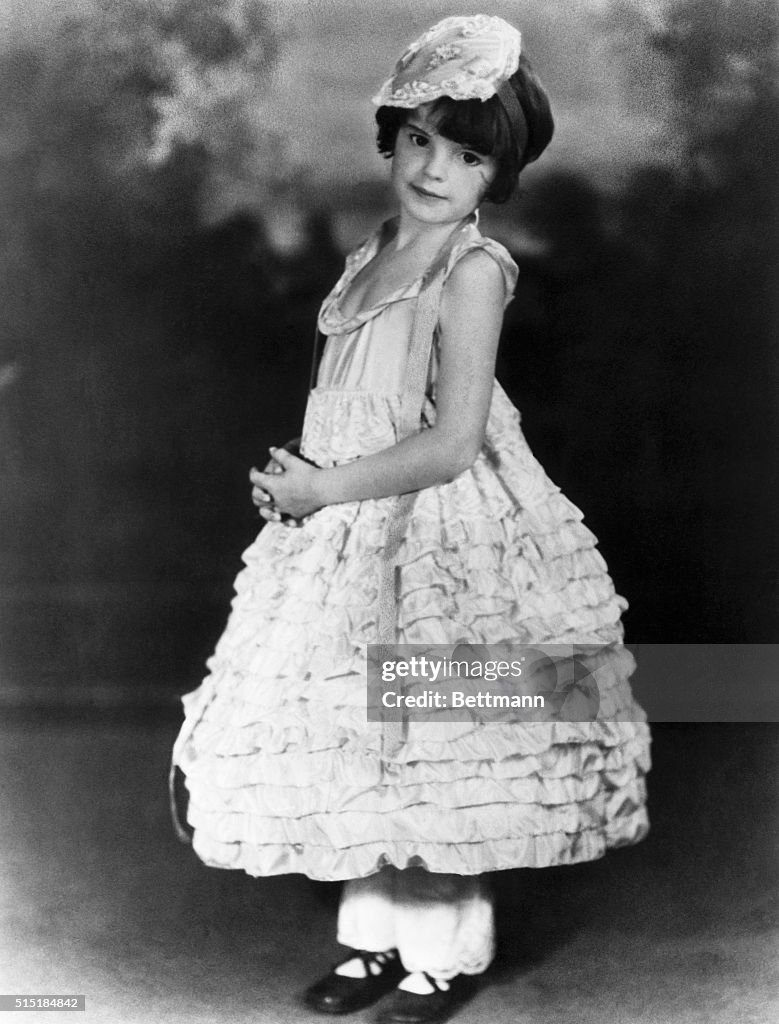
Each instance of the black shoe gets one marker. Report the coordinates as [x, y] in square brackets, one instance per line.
[433, 1008]
[338, 994]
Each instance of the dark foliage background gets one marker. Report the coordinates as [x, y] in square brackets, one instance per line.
[165, 238]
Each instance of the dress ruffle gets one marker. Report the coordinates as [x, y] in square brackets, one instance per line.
[286, 774]
[284, 771]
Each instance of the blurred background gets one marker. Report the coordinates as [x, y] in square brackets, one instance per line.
[179, 182]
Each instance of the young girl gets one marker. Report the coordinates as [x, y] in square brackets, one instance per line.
[412, 511]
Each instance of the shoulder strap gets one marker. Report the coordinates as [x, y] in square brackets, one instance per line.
[418, 358]
[421, 340]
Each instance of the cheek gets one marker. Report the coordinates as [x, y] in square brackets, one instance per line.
[403, 156]
[489, 175]
[477, 184]
[396, 167]
[486, 178]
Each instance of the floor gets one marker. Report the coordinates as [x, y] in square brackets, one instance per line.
[98, 897]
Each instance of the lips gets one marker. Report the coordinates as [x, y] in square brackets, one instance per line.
[425, 194]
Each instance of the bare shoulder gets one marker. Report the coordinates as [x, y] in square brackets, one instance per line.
[475, 268]
[475, 276]
[476, 283]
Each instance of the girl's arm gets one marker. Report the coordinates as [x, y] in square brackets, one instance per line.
[471, 317]
[470, 321]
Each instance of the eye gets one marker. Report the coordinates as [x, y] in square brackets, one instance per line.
[417, 139]
[471, 159]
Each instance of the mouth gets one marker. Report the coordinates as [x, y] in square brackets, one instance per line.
[425, 193]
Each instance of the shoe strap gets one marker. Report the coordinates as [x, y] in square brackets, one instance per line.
[435, 982]
[382, 959]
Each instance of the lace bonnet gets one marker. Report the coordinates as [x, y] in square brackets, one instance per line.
[464, 58]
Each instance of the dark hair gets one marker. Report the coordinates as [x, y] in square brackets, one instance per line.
[484, 126]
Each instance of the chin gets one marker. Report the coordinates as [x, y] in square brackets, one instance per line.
[429, 210]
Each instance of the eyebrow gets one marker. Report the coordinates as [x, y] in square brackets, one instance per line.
[419, 128]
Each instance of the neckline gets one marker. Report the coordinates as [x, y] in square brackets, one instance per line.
[369, 251]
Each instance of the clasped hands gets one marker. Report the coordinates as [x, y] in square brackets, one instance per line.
[285, 490]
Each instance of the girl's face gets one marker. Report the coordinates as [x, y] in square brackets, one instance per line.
[437, 181]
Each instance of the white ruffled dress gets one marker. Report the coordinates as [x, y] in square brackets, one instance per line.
[285, 773]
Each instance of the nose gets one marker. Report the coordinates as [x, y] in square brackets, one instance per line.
[435, 167]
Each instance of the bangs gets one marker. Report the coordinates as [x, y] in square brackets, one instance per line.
[475, 124]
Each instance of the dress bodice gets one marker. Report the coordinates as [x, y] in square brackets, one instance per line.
[353, 410]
